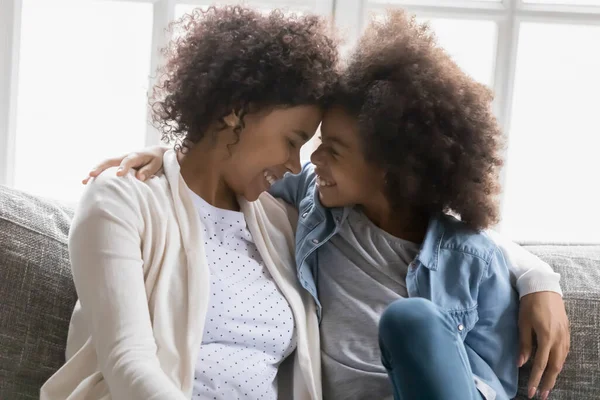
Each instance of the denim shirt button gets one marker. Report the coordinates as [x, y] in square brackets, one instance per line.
[461, 327]
[304, 215]
[315, 241]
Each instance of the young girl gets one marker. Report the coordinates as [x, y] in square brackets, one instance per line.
[186, 283]
[413, 302]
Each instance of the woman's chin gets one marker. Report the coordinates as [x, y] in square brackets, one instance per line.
[253, 196]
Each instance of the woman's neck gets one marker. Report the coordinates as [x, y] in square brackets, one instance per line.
[201, 168]
[404, 222]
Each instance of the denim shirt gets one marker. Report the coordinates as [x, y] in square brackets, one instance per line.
[461, 271]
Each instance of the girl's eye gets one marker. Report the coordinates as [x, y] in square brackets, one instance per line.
[292, 144]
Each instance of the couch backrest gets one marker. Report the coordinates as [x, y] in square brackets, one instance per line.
[37, 299]
[579, 267]
[36, 291]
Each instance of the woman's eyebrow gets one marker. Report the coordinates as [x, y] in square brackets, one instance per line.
[303, 135]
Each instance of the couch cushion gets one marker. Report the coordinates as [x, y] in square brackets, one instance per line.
[36, 289]
[579, 267]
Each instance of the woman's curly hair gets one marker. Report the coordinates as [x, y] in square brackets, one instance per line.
[236, 59]
[424, 121]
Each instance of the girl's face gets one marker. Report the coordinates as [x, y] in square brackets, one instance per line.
[344, 177]
[268, 147]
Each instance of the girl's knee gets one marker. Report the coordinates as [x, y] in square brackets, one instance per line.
[407, 317]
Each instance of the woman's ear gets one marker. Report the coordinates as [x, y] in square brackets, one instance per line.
[232, 120]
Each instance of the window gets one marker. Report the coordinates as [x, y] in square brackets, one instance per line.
[77, 73]
[471, 43]
[553, 164]
[83, 77]
[566, 2]
[265, 7]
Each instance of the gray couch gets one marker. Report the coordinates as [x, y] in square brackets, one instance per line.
[37, 298]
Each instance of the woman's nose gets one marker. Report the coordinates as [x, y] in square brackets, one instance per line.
[293, 164]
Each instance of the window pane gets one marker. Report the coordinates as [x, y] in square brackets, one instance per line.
[181, 9]
[471, 43]
[300, 8]
[566, 2]
[553, 187]
[440, 2]
[83, 77]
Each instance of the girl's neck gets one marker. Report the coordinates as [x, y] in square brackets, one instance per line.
[201, 168]
[404, 222]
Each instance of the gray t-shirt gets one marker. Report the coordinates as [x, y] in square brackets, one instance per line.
[362, 269]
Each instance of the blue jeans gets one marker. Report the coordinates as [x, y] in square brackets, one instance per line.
[424, 356]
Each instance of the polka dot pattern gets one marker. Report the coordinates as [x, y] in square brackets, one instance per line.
[249, 328]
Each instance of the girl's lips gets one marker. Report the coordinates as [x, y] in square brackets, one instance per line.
[322, 182]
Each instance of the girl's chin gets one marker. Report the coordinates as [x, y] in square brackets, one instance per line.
[326, 198]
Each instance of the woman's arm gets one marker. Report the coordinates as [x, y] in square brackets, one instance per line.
[105, 251]
[542, 314]
[528, 273]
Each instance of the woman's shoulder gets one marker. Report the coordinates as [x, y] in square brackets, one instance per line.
[128, 185]
[119, 194]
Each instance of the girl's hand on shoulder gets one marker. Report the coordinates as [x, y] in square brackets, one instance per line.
[147, 162]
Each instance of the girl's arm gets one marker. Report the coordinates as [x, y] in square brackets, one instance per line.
[293, 188]
[147, 162]
[528, 273]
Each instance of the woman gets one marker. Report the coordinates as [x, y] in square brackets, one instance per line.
[180, 293]
[410, 137]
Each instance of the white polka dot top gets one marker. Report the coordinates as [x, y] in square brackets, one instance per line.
[249, 328]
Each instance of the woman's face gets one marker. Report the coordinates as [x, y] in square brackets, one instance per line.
[344, 177]
[269, 146]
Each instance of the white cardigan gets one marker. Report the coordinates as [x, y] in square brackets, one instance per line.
[143, 283]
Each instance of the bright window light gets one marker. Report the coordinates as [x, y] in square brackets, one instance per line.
[553, 188]
[83, 77]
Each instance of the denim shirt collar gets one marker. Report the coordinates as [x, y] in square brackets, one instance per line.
[430, 248]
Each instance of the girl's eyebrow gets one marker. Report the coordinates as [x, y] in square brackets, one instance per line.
[335, 140]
